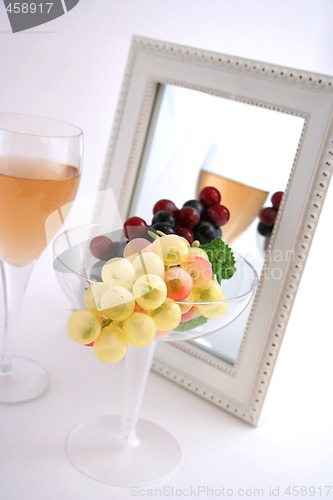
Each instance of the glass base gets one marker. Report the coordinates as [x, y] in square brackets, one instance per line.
[27, 381]
[95, 448]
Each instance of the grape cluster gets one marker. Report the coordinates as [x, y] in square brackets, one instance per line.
[198, 219]
[268, 215]
[147, 292]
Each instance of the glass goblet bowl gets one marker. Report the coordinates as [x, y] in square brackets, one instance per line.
[125, 450]
[76, 269]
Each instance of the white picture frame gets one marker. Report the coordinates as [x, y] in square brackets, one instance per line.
[240, 389]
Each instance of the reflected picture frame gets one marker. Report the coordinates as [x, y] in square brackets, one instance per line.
[240, 389]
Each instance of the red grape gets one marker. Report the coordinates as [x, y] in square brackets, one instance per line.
[195, 204]
[209, 196]
[167, 205]
[188, 217]
[200, 270]
[217, 215]
[131, 224]
[179, 283]
[101, 247]
[186, 233]
[268, 215]
[276, 199]
[190, 314]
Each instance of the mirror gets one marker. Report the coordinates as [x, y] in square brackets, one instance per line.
[189, 118]
[197, 139]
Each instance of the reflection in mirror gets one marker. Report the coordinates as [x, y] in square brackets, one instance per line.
[246, 151]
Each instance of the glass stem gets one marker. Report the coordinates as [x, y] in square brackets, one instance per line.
[15, 280]
[136, 369]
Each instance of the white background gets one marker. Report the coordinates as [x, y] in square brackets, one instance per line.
[72, 69]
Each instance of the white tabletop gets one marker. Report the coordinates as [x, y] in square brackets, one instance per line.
[223, 456]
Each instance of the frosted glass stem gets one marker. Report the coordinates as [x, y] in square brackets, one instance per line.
[136, 369]
[15, 280]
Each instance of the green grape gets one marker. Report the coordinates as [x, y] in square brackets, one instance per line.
[215, 312]
[187, 303]
[117, 303]
[173, 248]
[150, 291]
[93, 295]
[118, 271]
[211, 292]
[111, 345]
[139, 329]
[167, 316]
[84, 326]
[148, 263]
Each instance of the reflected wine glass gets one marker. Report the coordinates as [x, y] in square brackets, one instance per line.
[244, 202]
[125, 450]
[40, 162]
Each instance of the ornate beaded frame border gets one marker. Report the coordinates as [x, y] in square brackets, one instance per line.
[241, 389]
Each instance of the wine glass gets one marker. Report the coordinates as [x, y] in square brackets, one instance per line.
[124, 450]
[39, 172]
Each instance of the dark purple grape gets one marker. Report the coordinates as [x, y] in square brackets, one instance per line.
[164, 227]
[218, 232]
[205, 232]
[95, 271]
[164, 216]
[151, 231]
[195, 204]
[119, 248]
[264, 230]
[139, 232]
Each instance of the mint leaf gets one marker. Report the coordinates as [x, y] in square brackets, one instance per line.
[222, 259]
